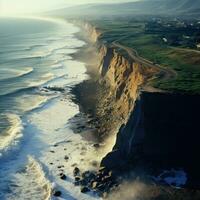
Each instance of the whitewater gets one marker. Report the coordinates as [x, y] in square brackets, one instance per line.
[37, 73]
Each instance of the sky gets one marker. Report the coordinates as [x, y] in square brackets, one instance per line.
[9, 7]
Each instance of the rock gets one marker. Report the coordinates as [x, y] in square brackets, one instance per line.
[57, 193]
[104, 195]
[96, 145]
[77, 178]
[101, 169]
[51, 163]
[101, 187]
[83, 182]
[66, 158]
[60, 166]
[52, 151]
[63, 176]
[85, 189]
[107, 179]
[94, 185]
[114, 160]
[94, 163]
[88, 175]
[110, 173]
[76, 171]
[77, 181]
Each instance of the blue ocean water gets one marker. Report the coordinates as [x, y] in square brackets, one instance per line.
[36, 73]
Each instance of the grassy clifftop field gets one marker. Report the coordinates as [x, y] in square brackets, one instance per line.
[169, 42]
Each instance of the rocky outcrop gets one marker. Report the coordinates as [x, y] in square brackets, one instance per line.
[124, 77]
[120, 77]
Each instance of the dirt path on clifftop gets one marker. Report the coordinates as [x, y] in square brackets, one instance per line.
[166, 72]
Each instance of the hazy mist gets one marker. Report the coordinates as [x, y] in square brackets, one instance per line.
[9, 7]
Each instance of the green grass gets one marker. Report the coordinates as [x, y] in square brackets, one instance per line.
[151, 47]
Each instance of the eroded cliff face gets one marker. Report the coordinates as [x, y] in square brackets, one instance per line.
[125, 77]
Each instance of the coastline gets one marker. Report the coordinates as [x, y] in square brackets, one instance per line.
[94, 122]
[91, 95]
[53, 148]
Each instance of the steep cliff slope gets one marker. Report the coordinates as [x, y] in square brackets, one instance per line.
[121, 78]
[154, 130]
[162, 131]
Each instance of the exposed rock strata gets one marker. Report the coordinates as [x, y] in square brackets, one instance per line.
[118, 86]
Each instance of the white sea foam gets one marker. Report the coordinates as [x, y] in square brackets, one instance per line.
[43, 79]
[47, 126]
[52, 128]
[11, 135]
[26, 103]
[7, 73]
[30, 183]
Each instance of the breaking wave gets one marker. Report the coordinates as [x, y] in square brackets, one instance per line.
[14, 73]
[10, 136]
[33, 177]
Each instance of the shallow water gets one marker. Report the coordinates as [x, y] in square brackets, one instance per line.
[35, 133]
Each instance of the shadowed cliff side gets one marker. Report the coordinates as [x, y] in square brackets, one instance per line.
[158, 129]
[162, 132]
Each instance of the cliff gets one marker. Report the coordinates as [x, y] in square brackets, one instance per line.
[163, 128]
[152, 130]
[124, 78]
[121, 77]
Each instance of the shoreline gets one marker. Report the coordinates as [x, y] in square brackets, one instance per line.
[56, 149]
[91, 97]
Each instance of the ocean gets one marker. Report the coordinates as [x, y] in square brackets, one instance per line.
[36, 75]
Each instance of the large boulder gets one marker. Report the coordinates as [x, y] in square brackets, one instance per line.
[113, 160]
